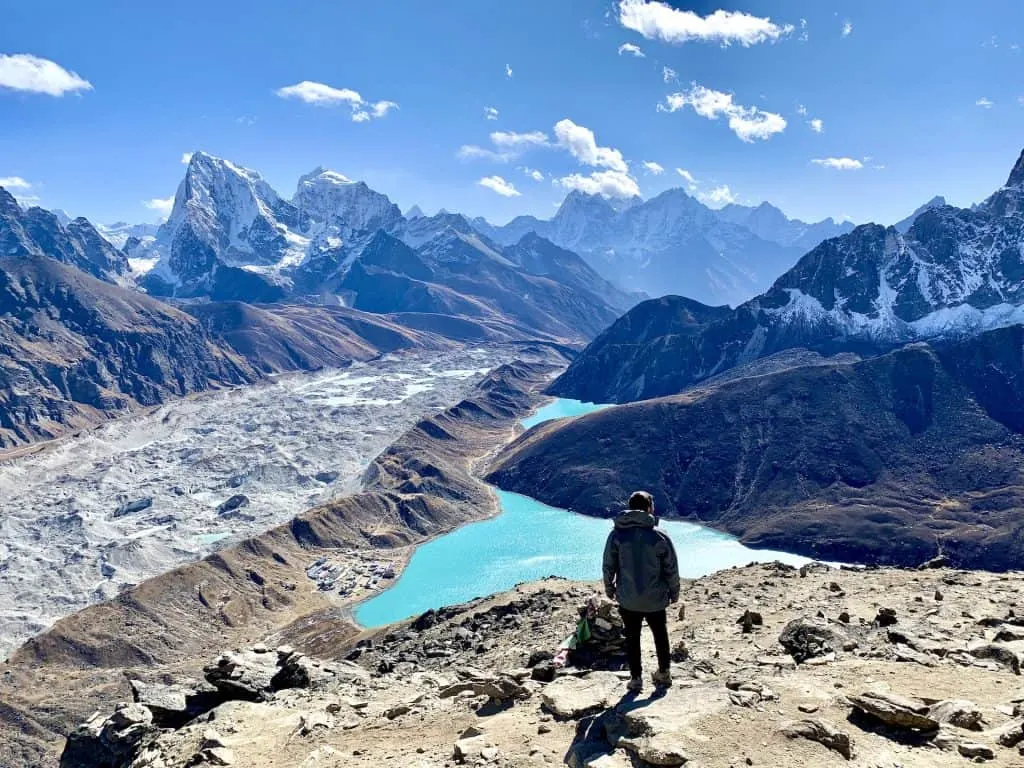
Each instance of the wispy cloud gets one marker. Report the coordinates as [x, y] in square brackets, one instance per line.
[161, 205]
[631, 49]
[801, 110]
[246, 120]
[660, 21]
[25, 72]
[490, 113]
[817, 125]
[718, 197]
[508, 71]
[513, 140]
[688, 176]
[14, 182]
[847, 29]
[653, 168]
[984, 103]
[839, 163]
[669, 75]
[499, 185]
[748, 123]
[532, 173]
[581, 144]
[476, 152]
[323, 95]
[605, 183]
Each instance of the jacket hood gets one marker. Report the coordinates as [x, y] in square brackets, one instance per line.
[635, 518]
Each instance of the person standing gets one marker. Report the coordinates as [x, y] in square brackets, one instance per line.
[641, 573]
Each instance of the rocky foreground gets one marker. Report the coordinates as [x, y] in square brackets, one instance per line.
[773, 666]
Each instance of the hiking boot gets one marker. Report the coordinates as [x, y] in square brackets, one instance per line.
[635, 684]
[662, 678]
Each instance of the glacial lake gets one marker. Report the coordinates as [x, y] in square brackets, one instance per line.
[529, 540]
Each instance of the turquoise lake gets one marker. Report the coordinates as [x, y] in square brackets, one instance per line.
[528, 541]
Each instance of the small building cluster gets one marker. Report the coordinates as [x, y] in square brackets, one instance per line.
[352, 572]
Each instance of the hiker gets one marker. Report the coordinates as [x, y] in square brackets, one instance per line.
[641, 572]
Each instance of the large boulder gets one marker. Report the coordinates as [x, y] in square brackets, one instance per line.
[110, 742]
[805, 639]
[822, 732]
[658, 731]
[959, 712]
[574, 697]
[897, 711]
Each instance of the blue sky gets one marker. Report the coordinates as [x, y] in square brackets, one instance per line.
[926, 96]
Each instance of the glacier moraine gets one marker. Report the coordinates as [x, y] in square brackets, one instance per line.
[86, 516]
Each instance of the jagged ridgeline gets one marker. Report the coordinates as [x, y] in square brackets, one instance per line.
[951, 272]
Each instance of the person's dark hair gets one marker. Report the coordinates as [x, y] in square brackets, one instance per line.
[641, 500]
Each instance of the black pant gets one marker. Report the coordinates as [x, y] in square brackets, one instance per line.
[634, 622]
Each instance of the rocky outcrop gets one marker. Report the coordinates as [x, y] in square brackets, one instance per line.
[887, 460]
[453, 686]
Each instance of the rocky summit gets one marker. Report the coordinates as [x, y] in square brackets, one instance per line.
[772, 666]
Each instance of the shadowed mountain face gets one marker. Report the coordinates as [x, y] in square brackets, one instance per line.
[73, 348]
[882, 461]
[36, 232]
[955, 273]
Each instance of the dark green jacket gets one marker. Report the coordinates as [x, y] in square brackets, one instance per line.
[640, 566]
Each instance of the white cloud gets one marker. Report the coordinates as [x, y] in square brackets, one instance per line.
[984, 103]
[186, 158]
[804, 34]
[817, 125]
[509, 144]
[475, 152]
[847, 28]
[246, 120]
[718, 197]
[320, 94]
[162, 206]
[27, 201]
[839, 163]
[14, 182]
[381, 108]
[490, 113]
[659, 21]
[633, 50]
[582, 145]
[1020, 100]
[605, 183]
[508, 70]
[511, 139]
[323, 95]
[801, 110]
[748, 123]
[532, 173]
[669, 75]
[688, 176]
[652, 167]
[499, 185]
[25, 72]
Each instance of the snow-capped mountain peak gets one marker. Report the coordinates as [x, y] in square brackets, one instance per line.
[328, 198]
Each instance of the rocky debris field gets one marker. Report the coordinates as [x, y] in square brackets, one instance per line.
[91, 515]
[773, 666]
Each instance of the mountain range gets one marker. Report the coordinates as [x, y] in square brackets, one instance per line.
[955, 272]
[230, 236]
[673, 243]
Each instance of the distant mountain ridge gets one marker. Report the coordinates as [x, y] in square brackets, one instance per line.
[673, 243]
[956, 272]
